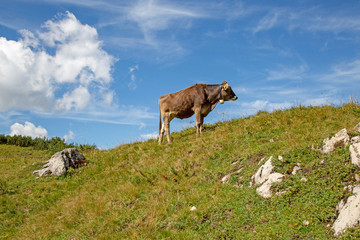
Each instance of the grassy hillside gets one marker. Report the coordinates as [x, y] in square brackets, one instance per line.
[145, 191]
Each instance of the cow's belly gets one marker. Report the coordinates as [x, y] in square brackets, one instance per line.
[184, 114]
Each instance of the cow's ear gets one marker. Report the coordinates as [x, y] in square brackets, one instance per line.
[226, 86]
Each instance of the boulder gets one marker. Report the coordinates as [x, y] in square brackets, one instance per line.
[61, 161]
[340, 139]
[349, 213]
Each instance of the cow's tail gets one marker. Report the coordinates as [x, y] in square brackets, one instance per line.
[160, 124]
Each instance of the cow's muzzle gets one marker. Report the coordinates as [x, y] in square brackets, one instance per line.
[234, 98]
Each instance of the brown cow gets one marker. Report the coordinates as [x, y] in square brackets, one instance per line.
[200, 99]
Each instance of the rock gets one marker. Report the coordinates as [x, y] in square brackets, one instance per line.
[265, 189]
[357, 127]
[266, 177]
[193, 208]
[349, 213]
[61, 161]
[355, 154]
[303, 179]
[296, 169]
[227, 177]
[281, 159]
[339, 140]
[355, 139]
[262, 174]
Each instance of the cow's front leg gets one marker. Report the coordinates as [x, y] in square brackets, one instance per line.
[199, 122]
[167, 130]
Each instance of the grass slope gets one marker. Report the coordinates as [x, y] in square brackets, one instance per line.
[145, 191]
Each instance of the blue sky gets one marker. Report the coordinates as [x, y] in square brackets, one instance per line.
[92, 71]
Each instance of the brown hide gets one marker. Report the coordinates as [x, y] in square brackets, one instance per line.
[200, 99]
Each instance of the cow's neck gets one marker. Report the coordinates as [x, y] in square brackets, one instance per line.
[214, 93]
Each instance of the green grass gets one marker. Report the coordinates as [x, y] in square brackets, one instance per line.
[145, 191]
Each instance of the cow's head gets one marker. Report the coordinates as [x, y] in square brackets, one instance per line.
[226, 93]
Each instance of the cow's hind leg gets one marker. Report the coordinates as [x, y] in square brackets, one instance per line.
[167, 129]
[161, 134]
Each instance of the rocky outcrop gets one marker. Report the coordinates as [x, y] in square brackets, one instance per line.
[61, 161]
[262, 173]
[340, 139]
[265, 189]
[349, 213]
[266, 178]
[355, 154]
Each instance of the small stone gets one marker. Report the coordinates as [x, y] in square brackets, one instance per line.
[281, 158]
[296, 169]
[193, 208]
[357, 177]
[306, 223]
[303, 179]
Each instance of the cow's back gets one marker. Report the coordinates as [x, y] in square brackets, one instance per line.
[181, 103]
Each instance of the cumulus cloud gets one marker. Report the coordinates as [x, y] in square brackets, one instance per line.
[69, 136]
[38, 71]
[28, 129]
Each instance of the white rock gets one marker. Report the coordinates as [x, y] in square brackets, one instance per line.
[355, 154]
[281, 158]
[349, 214]
[61, 161]
[265, 189]
[296, 169]
[227, 177]
[303, 179]
[193, 208]
[340, 139]
[355, 139]
[262, 173]
[357, 127]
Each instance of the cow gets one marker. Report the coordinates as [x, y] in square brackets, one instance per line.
[200, 99]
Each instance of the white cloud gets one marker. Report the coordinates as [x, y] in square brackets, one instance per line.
[312, 19]
[132, 84]
[145, 137]
[151, 16]
[78, 99]
[45, 63]
[249, 108]
[286, 73]
[28, 129]
[267, 22]
[69, 136]
[345, 72]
